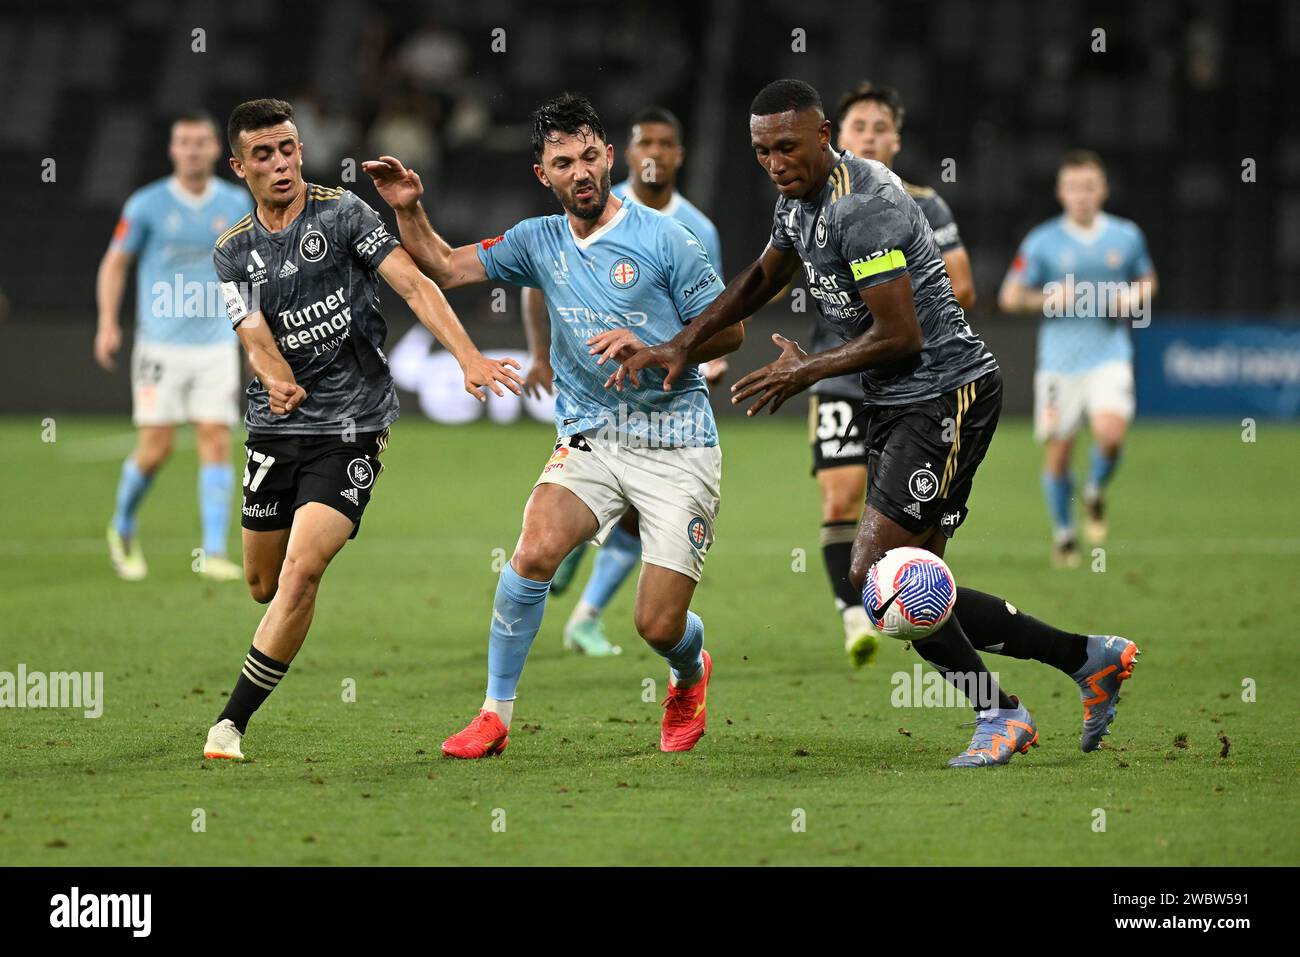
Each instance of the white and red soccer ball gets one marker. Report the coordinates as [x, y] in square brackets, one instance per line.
[909, 593]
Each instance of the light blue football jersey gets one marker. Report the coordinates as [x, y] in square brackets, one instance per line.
[171, 232]
[642, 270]
[1113, 251]
[684, 211]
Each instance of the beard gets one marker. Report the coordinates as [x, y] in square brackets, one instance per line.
[588, 209]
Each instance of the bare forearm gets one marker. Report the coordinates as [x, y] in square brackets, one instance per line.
[436, 315]
[1022, 299]
[865, 352]
[719, 344]
[110, 284]
[430, 251]
[744, 296]
[269, 365]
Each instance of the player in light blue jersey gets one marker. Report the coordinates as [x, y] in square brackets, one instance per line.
[185, 361]
[1088, 274]
[654, 159]
[617, 277]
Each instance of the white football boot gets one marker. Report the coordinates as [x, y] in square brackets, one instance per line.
[223, 741]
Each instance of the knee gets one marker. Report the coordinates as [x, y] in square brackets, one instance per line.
[864, 556]
[151, 456]
[837, 506]
[299, 579]
[659, 628]
[537, 560]
[262, 589]
[214, 445]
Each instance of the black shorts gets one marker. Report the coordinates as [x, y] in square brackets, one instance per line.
[922, 457]
[286, 471]
[834, 432]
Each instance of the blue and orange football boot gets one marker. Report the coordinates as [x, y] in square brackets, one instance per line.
[1110, 663]
[999, 734]
[684, 714]
[484, 737]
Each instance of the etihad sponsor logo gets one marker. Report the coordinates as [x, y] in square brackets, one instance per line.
[261, 511]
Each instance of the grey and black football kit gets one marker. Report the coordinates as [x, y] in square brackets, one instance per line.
[315, 282]
[926, 421]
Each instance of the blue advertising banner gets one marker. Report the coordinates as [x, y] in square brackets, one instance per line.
[1218, 366]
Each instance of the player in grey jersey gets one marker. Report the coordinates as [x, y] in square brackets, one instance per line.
[933, 394]
[298, 275]
[870, 121]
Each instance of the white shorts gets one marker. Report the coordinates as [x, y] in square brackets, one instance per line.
[1062, 400]
[171, 384]
[675, 491]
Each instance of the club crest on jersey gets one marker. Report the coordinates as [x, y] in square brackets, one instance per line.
[313, 246]
[923, 485]
[625, 273]
[697, 532]
[819, 234]
[360, 473]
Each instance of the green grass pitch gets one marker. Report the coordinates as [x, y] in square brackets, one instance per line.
[804, 762]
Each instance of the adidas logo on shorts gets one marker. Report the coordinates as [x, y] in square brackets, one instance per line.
[288, 269]
[351, 495]
[914, 510]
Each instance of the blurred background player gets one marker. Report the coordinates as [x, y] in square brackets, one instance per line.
[870, 122]
[1102, 276]
[655, 154]
[185, 362]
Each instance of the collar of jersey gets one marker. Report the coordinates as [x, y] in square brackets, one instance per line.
[584, 243]
[821, 197]
[279, 234]
[183, 195]
[1090, 235]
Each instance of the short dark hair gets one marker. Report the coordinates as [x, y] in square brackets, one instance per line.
[781, 96]
[1083, 158]
[255, 115]
[657, 114]
[569, 113]
[864, 92]
[196, 116]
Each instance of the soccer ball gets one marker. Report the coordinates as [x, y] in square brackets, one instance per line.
[909, 593]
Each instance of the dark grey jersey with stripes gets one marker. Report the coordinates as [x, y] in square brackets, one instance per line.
[317, 286]
[864, 230]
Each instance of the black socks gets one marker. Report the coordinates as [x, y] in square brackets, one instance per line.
[995, 625]
[257, 680]
[837, 553]
[951, 652]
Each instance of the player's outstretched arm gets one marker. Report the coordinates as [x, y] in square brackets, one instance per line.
[401, 189]
[894, 334]
[435, 314]
[537, 330]
[110, 284]
[283, 392]
[744, 295]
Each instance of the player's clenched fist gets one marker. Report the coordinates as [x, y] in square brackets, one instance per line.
[480, 371]
[284, 397]
[400, 187]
